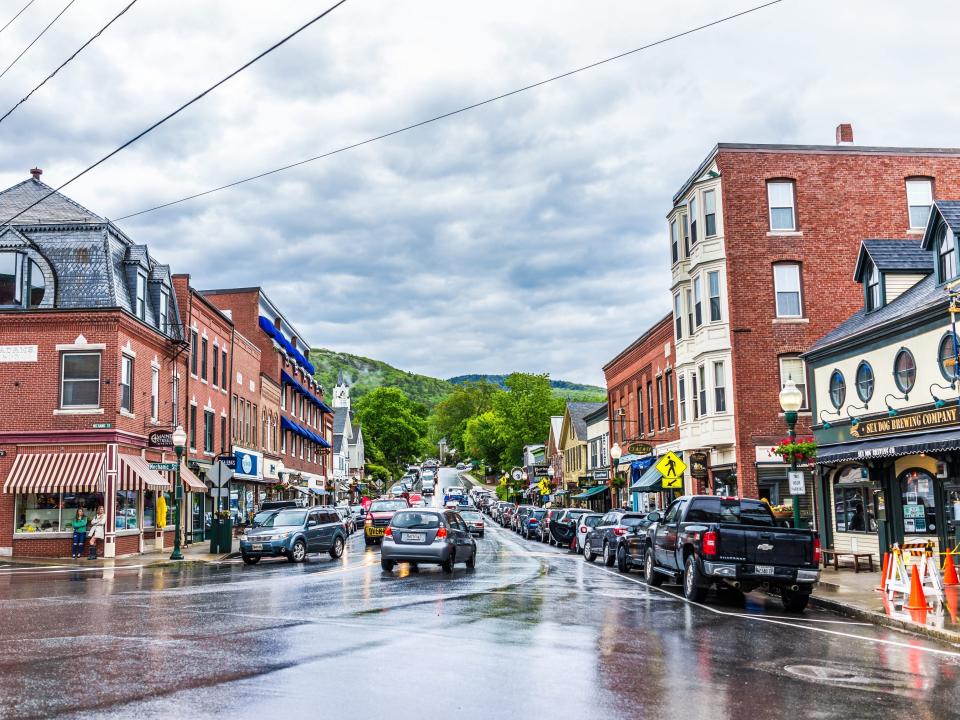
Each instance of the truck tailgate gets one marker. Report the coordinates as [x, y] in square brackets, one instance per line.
[769, 546]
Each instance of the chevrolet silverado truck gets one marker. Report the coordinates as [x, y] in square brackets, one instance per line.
[734, 544]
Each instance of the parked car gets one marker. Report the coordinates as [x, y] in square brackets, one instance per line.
[379, 516]
[632, 547]
[530, 527]
[605, 536]
[422, 535]
[551, 514]
[705, 540]
[506, 515]
[516, 521]
[262, 516]
[586, 523]
[474, 521]
[347, 516]
[563, 529]
[293, 533]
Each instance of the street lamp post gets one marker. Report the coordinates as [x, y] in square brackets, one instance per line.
[550, 473]
[791, 400]
[179, 441]
[615, 454]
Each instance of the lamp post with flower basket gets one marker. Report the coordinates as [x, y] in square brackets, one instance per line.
[791, 400]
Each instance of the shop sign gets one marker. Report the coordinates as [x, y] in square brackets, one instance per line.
[18, 353]
[160, 438]
[698, 465]
[639, 449]
[601, 475]
[907, 422]
[247, 463]
[540, 471]
[229, 461]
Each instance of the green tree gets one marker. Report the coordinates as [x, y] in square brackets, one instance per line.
[452, 414]
[484, 437]
[525, 412]
[393, 425]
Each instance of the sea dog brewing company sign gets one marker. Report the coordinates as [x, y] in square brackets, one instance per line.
[907, 422]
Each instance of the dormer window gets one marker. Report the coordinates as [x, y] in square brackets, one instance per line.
[163, 311]
[22, 284]
[141, 308]
[873, 288]
[946, 254]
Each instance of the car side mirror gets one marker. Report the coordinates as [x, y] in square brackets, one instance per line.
[654, 516]
[311, 522]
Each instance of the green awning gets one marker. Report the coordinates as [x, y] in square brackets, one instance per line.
[649, 481]
[596, 490]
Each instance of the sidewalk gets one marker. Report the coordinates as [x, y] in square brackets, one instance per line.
[194, 553]
[853, 594]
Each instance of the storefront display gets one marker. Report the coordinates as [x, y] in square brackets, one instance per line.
[51, 512]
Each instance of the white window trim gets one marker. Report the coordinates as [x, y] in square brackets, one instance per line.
[918, 180]
[72, 409]
[803, 379]
[799, 290]
[792, 206]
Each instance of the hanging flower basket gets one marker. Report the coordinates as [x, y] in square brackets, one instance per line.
[618, 481]
[801, 450]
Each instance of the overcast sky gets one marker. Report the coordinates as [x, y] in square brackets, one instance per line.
[526, 235]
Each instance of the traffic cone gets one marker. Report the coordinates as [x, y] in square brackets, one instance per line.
[951, 596]
[883, 574]
[949, 571]
[917, 601]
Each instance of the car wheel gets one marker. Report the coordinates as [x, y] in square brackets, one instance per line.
[299, 552]
[447, 565]
[608, 556]
[251, 559]
[337, 549]
[472, 560]
[794, 601]
[694, 588]
[386, 565]
[551, 541]
[650, 575]
[623, 565]
[588, 551]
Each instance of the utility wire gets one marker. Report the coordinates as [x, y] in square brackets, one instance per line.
[180, 109]
[454, 112]
[24, 52]
[10, 21]
[65, 62]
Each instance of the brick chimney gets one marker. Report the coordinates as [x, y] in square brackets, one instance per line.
[844, 134]
[37, 172]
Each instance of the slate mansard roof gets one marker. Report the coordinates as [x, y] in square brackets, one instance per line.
[87, 261]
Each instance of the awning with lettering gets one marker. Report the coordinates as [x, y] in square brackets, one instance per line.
[894, 446]
[55, 472]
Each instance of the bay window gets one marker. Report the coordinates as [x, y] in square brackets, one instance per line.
[702, 384]
[719, 388]
[671, 412]
[709, 212]
[682, 398]
[678, 316]
[674, 241]
[693, 220]
[697, 301]
[713, 294]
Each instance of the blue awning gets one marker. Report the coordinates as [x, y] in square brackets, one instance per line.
[590, 492]
[303, 432]
[285, 377]
[269, 329]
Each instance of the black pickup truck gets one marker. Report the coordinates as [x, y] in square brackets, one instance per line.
[733, 543]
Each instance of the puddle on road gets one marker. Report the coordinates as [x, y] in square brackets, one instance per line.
[855, 677]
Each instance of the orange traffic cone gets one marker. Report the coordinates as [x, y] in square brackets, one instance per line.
[883, 575]
[951, 596]
[917, 600]
[949, 571]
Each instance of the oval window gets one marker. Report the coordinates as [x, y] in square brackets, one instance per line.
[865, 381]
[947, 356]
[904, 370]
[838, 389]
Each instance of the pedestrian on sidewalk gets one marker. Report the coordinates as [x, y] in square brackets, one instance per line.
[79, 525]
[98, 527]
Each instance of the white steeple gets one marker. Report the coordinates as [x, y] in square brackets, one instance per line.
[341, 393]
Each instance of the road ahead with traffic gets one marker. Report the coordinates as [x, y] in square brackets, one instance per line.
[532, 631]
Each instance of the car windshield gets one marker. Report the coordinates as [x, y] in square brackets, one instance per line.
[632, 520]
[722, 510]
[285, 518]
[592, 520]
[538, 514]
[415, 520]
[261, 517]
[471, 515]
[387, 505]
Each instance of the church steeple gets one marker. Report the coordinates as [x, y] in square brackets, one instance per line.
[341, 392]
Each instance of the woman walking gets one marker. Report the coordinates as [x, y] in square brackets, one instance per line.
[79, 525]
[97, 527]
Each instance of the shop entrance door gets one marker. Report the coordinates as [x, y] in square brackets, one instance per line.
[950, 538]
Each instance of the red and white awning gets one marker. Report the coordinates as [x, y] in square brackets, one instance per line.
[191, 482]
[56, 472]
[135, 474]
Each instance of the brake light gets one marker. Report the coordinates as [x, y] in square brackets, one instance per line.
[441, 533]
[708, 545]
[816, 550]
[619, 531]
[368, 520]
[388, 532]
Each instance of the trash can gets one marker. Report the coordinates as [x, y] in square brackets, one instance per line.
[221, 536]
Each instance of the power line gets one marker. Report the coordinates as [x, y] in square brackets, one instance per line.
[10, 21]
[180, 109]
[65, 62]
[17, 58]
[454, 112]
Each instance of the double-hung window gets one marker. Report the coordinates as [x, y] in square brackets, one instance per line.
[946, 254]
[780, 197]
[686, 236]
[193, 427]
[660, 407]
[693, 395]
[163, 311]
[253, 416]
[639, 416]
[702, 384]
[698, 301]
[678, 316]
[208, 431]
[671, 412]
[155, 394]
[80, 380]
[674, 241]
[719, 388]
[786, 282]
[216, 365]
[203, 359]
[873, 287]
[919, 200]
[175, 400]
[693, 220]
[650, 405]
[223, 370]
[223, 433]
[194, 349]
[141, 296]
[126, 383]
[233, 415]
[792, 368]
[682, 398]
[690, 326]
[713, 294]
[709, 213]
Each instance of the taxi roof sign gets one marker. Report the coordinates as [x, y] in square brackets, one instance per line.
[671, 468]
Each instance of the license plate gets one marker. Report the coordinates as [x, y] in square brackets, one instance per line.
[374, 532]
[763, 569]
[257, 547]
[413, 537]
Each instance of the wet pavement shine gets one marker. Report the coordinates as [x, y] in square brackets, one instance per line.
[534, 631]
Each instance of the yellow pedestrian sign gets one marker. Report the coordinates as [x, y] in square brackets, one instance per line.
[671, 467]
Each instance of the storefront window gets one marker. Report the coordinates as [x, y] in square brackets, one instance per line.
[919, 504]
[52, 512]
[168, 519]
[127, 510]
[149, 509]
[853, 508]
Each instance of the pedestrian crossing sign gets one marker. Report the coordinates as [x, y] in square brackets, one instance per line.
[671, 468]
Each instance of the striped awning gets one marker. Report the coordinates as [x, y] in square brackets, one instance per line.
[56, 472]
[135, 474]
[190, 481]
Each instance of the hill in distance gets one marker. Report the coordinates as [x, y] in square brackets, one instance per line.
[366, 374]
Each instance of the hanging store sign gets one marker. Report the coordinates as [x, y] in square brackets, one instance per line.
[698, 465]
[540, 471]
[160, 438]
[907, 422]
[601, 475]
[639, 449]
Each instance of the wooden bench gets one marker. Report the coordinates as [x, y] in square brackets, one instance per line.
[856, 557]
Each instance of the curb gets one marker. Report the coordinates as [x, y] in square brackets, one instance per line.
[878, 618]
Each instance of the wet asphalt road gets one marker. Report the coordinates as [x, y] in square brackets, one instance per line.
[532, 632]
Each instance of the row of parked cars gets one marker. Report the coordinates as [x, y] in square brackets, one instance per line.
[699, 541]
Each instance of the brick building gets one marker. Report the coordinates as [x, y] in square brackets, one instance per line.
[246, 427]
[89, 350]
[642, 403]
[306, 421]
[762, 239]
